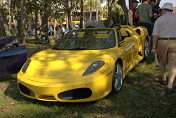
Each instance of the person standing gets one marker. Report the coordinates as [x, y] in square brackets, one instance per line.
[155, 11]
[144, 11]
[133, 18]
[63, 30]
[165, 33]
[51, 31]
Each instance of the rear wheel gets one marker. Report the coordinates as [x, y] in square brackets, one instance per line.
[117, 78]
[146, 49]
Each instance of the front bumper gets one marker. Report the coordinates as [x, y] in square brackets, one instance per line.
[89, 89]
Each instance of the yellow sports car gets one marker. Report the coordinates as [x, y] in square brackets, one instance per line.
[84, 65]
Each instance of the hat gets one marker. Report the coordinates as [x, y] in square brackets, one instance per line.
[135, 1]
[168, 6]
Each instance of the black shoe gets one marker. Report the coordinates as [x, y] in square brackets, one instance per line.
[171, 90]
[162, 82]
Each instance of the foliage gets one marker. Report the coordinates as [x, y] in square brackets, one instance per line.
[105, 11]
[118, 14]
[89, 5]
[43, 11]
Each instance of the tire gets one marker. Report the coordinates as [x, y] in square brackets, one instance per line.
[146, 49]
[117, 80]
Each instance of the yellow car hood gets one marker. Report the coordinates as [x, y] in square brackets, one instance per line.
[62, 65]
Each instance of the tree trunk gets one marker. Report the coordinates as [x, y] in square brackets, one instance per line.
[10, 18]
[110, 9]
[36, 20]
[44, 26]
[122, 3]
[68, 9]
[81, 16]
[39, 18]
[130, 3]
[96, 10]
[69, 20]
[21, 19]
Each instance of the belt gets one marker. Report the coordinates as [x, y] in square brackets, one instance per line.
[167, 38]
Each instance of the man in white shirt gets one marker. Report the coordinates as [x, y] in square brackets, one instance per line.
[165, 33]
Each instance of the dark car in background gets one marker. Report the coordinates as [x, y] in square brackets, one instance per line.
[12, 56]
[8, 42]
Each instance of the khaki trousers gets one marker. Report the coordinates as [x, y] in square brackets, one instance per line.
[167, 51]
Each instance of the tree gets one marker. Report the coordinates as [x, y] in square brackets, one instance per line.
[109, 21]
[81, 16]
[105, 11]
[122, 3]
[68, 9]
[112, 10]
[88, 6]
[4, 23]
[96, 6]
[46, 11]
[21, 19]
[9, 10]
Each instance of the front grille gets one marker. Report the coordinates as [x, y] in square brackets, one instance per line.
[25, 90]
[46, 97]
[75, 94]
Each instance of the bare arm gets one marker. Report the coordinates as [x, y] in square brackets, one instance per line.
[130, 16]
[155, 38]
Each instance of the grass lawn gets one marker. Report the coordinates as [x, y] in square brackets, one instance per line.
[141, 96]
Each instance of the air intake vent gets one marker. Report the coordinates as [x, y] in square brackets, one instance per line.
[75, 94]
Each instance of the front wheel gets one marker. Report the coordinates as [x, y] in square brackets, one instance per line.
[117, 78]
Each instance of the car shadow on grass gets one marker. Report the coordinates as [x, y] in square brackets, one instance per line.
[7, 78]
[141, 96]
[150, 59]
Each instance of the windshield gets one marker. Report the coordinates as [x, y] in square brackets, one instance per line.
[87, 39]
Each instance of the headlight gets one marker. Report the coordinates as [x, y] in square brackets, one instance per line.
[94, 67]
[26, 64]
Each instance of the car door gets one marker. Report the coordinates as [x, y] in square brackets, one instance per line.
[136, 41]
[12, 60]
[127, 46]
